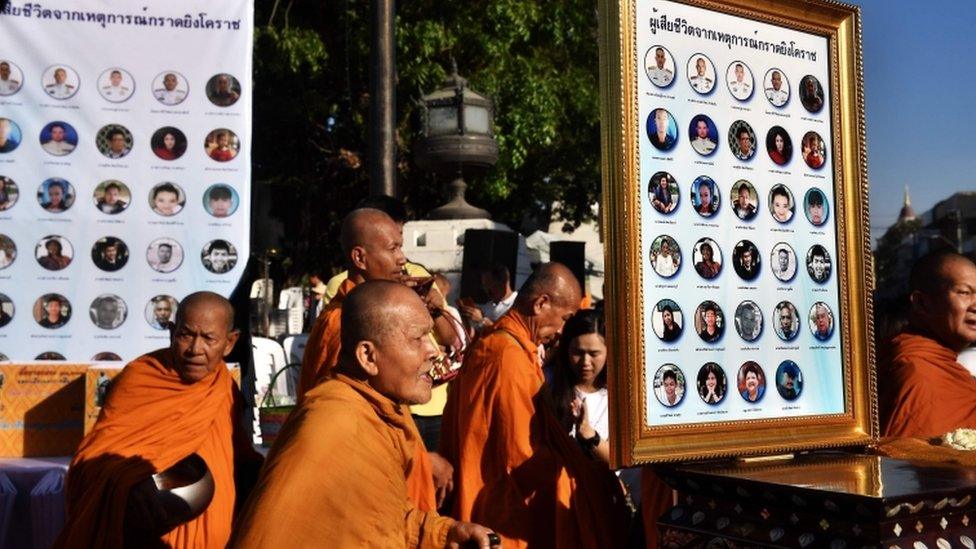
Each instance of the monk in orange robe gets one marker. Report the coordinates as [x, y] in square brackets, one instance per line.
[924, 391]
[335, 476]
[518, 471]
[163, 407]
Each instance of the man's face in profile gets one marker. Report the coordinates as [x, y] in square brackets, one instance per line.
[4, 71]
[819, 265]
[169, 82]
[784, 261]
[107, 312]
[659, 58]
[218, 259]
[115, 78]
[60, 75]
[164, 253]
[777, 80]
[57, 134]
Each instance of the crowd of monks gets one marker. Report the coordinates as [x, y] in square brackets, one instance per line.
[349, 468]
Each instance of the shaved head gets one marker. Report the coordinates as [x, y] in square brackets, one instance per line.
[372, 244]
[206, 300]
[930, 273]
[547, 300]
[371, 311]
[361, 226]
[203, 335]
[943, 297]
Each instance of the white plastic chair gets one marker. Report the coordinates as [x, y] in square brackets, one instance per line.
[269, 357]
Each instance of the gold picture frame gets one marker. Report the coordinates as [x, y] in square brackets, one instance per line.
[640, 434]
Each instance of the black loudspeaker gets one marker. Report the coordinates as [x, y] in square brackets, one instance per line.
[571, 254]
[482, 249]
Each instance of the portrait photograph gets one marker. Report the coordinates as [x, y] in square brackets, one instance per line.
[6, 310]
[789, 380]
[751, 381]
[709, 321]
[10, 135]
[746, 260]
[814, 150]
[167, 199]
[667, 320]
[745, 200]
[11, 77]
[779, 146]
[219, 256]
[161, 311]
[168, 143]
[9, 193]
[112, 197]
[659, 66]
[116, 85]
[703, 135]
[108, 311]
[106, 356]
[669, 385]
[222, 145]
[707, 257]
[114, 141]
[49, 355]
[223, 90]
[782, 261]
[52, 311]
[8, 251]
[787, 321]
[738, 78]
[54, 252]
[164, 255]
[742, 140]
[748, 321]
[821, 321]
[110, 253]
[811, 94]
[712, 383]
[818, 263]
[701, 73]
[815, 206]
[665, 256]
[58, 138]
[220, 200]
[777, 87]
[56, 195]
[60, 82]
[170, 88]
[662, 129]
[781, 203]
[704, 196]
[663, 192]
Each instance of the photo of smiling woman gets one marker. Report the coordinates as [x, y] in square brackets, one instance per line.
[711, 383]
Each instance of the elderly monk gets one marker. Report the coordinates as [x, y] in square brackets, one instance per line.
[163, 407]
[925, 392]
[518, 472]
[335, 477]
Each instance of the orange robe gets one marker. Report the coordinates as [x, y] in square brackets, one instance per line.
[517, 470]
[335, 477]
[656, 499]
[923, 392]
[150, 421]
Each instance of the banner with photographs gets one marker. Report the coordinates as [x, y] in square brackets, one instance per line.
[124, 170]
[739, 241]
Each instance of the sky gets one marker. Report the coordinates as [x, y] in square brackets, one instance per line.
[920, 93]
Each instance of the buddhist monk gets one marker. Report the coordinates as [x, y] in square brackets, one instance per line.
[163, 407]
[517, 470]
[924, 391]
[335, 476]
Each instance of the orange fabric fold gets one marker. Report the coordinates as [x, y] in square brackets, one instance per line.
[656, 499]
[517, 470]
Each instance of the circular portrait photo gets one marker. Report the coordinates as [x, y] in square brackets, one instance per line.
[815, 206]
[787, 321]
[701, 74]
[6, 310]
[11, 77]
[745, 260]
[704, 196]
[8, 251]
[60, 82]
[167, 199]
[49, 355]
[779, 145]
[223, 90]
[112, 197]
[168, 143]
[108, 311]
[818, 263]
[222, 145]
[58, 138]
[9, 193]
[739, 79]
[161, 311]
[712, 384]
[663, 192]
[748, 320]
[781, 204]
[742, 140]
[821, 321]
[219, 256]
[665, 256]
[164, 255]
[116, 85]
[709, 321]
[659, 66]
[10, 135]
[667, 320]
[54, 252]
[170, 88]
[782, 261]
[777, 87]
[751, 381]
[110, 253]
[106, 356]
[669, 385]
[52, 311]
[114, 141]
[662, 130]
[707, 257]
[811, 94]
[814, 150]
[703, 135]
[220, 200]
[745, 200]
[56, 195]
[789, 380]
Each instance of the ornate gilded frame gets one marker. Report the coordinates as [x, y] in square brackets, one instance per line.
[633, 441]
